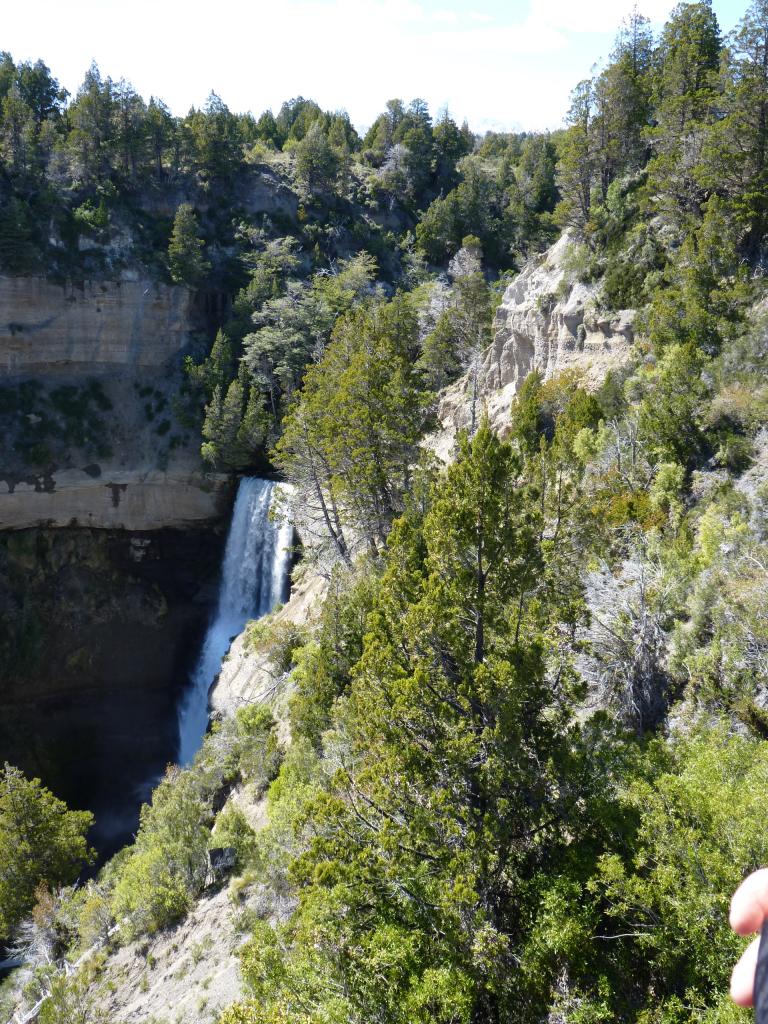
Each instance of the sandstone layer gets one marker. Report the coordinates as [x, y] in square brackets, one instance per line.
[91, 327]
[101, 496]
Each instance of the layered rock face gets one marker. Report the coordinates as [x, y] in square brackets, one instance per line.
[89, 328]
[131, 336]
[110, 537]
[110, 498]
[545, 322]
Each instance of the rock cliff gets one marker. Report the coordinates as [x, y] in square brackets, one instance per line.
[548, 322]
[109, 498]
[126, 462]
[89, 328]
[110, 535]
[98, 630]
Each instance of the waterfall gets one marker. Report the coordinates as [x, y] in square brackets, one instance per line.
[253, 580]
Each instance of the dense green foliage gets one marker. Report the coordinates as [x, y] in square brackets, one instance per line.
[471, 840]
[523, 765]
[42, 844]
[293, 215]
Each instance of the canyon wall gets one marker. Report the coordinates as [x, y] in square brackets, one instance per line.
[111, 534]
[131, 336]
[98, 630]
[91, 327]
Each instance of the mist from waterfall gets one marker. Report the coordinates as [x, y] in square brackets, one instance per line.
[253, 581]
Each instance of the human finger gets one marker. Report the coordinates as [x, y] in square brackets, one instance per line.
[749, 906]
[743, 976]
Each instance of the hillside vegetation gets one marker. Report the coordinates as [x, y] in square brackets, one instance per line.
[526, 765]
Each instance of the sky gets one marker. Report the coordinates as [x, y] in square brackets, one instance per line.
[499, 65]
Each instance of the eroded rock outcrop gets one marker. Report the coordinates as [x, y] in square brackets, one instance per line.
[247, 675]
[547, 322]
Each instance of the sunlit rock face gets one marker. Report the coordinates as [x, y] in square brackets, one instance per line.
[140, 467]
[545, 322]
[112, 497]
[89, 327]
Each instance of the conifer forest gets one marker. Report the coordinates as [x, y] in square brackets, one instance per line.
[488, 749]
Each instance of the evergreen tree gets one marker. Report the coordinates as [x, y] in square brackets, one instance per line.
[160, 129]
[130, 129]
[41, 843]
[349, 441]
[215, 140]
[685, 84]
[707, 290]
[577, 165]
[40, 91]
[212, 429]
[91, 116]
[623, 95]
[186, 262]
[268, 131]
[217, 368]
[234, 426]
[18, 131]
[449, 146]
[317, 163]
[735, 156]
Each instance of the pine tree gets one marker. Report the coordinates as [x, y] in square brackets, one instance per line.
[254, 427]
[349, 441]
[18, 132]
[317, 162]
[578, 161]
[217, 368]
[685, 84]
[186, 262]
[91, 115]
[623, 102]
[735, 154]
[41, 843]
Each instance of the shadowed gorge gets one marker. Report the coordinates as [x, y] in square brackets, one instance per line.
[99, 632]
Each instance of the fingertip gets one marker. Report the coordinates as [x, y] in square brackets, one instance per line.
[740, 994]
[749, 904]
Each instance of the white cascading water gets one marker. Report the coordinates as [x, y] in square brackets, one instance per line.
[253, 581]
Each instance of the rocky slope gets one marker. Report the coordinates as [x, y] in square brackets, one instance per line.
[246, 674]
[548, 322]
[188, 973]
